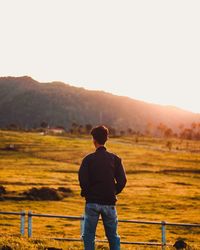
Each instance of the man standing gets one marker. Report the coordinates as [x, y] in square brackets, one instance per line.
[101, 177]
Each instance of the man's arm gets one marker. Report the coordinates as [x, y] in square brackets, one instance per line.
[83, 176]
[120, 176]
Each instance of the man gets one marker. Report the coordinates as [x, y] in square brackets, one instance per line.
[101, 177]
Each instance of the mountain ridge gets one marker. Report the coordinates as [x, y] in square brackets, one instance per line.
[27, 102]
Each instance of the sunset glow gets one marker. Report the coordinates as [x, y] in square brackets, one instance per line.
[148, 50]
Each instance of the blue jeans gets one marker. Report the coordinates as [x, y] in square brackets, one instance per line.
[109, 217]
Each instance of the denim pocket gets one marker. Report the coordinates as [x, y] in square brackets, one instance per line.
[110, 211]
[91, 209]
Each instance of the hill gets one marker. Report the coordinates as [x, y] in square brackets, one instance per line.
[27, 103]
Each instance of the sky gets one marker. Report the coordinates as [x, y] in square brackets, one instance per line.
[147, 50]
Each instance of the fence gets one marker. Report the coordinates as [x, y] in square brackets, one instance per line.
[22, 220]
[30, 215]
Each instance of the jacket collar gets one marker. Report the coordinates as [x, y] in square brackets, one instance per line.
[101, 148]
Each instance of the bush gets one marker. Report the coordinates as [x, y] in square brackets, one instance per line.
[65, 192]
[44, 193]
[2, 190]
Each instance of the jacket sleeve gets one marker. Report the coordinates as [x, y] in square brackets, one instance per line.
[120, 176]
[83, 175]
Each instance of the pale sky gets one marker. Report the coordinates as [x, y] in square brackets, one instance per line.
[146, 49]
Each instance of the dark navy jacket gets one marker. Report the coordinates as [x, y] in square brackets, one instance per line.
[101, 177]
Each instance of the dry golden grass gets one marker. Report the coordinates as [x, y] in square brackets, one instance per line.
[162, 185]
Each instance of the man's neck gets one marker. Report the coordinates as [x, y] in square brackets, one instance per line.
[99, 145]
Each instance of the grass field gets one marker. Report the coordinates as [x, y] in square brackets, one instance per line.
[162, 185]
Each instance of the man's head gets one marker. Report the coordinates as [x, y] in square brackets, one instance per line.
[100, 134]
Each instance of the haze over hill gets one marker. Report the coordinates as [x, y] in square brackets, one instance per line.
[27, 103]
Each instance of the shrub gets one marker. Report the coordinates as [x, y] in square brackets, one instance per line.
[44, 193]
[2, 190]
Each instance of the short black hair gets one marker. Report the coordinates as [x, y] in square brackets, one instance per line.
[100, 134]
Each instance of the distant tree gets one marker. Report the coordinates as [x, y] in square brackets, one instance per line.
[169, 145]
[122, 132]
[194, 125]
[168, 132]
[130, 131]
[149, 128]
[181, 128]
[197, 136]
[74, 127]
[112, 131]
[12, 126]
[88, 128]
[80, 129]
[161, 129]
[175, 135]
[195, 130]
[187, 133]
[44, 124]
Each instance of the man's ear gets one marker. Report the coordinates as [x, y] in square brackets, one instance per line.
[95, 142]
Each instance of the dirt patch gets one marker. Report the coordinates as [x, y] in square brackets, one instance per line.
[36, 194]
[46, 193]
[5, 247]
[2, 190]
[11, 147]
[52, 248]
[181, 183]
[180, 170]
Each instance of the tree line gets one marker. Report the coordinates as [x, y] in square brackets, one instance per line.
[190, 132]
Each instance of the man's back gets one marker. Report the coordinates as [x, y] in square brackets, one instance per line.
[101, 177]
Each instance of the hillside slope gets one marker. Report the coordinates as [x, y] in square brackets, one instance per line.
[26, 102]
